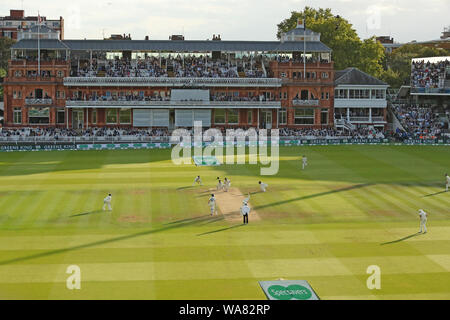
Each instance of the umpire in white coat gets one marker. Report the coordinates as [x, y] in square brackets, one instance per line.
[245, 211]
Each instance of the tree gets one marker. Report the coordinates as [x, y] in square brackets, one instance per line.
[5, 51]
[5, 55]
[392, 78]
[338, 34]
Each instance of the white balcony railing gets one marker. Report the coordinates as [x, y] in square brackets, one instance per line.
[39, 102]
[305, 103]
[143, 104]
[378, 119]
[171, 82]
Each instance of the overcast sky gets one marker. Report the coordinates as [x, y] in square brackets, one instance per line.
[405, 20]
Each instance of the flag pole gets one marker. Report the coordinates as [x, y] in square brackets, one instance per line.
[304, 50]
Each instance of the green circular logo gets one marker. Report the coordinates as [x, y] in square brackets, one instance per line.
[293, 291]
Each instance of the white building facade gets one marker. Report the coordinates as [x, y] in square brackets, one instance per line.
[359, 100]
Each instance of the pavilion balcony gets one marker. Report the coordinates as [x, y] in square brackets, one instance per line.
[170, 82]
[39, 102]
[174, 104]
[305, 103]
[367, 119]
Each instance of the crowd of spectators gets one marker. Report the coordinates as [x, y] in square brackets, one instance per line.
[325, 133]
[188, 66]
[428, 74]
[285, 59]
[193, 67]
[138, 97]
[128, 97]
[60, 133]
[223, 97]
[419, 121]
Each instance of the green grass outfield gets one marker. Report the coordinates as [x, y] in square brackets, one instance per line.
[353, 207]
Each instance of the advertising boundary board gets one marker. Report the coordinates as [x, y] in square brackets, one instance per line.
[159, 145]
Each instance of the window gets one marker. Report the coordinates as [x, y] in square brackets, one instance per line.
[285, 96]
[94, 116]
[282, 117]
[324, 75]
[60, 94]
[111, 116]
[233, 116]
[324, 116]
[341, 94]
[250, 117]
[17, 74]
[304, 116]
[61, 117]
[60, 74]
[125, 116]
[327, 95]
[219, 116]
[17, 116]
[322, 95]
[365, 94]
[352, 94]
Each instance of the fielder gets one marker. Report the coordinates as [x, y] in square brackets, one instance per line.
[212, 204]
[219, 185]
[198, 180]
[107, 202]
[245, 210]
[423, 221]
[304, 162]
[226, 185]
[447, 177]
[263, 186]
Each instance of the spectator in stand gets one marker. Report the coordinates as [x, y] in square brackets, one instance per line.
[419, 121]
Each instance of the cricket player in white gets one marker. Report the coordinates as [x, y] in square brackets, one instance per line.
[226, 185]
[447, 177]
[107, 202]
[245, 210]
[304, 162]
[198, 180]
[212, 204]
[423, 221]
[263, 186]
[219, 185]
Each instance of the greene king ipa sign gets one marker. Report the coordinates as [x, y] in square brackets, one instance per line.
[288, 290]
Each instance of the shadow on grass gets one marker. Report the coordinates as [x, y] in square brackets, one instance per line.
[184, 188]
[358, 186]
[220, 230]
[86, 213]
[435, 194]
[402, 239]
[189, 222]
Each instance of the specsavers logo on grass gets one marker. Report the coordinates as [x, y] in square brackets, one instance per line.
[288, 290]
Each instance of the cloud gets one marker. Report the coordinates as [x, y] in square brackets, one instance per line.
[405, 20]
